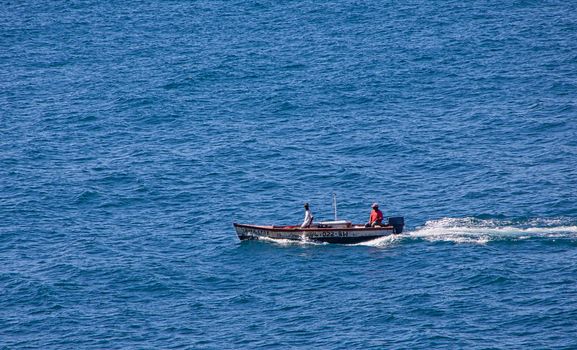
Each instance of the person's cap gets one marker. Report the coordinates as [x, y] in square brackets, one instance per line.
[306, 204]
[375, 205]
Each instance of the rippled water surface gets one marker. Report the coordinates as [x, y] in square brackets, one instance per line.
[133, 134]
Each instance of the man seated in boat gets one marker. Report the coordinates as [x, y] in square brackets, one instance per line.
[376, 218]
[308, 217]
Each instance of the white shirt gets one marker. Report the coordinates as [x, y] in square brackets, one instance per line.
[308, 219]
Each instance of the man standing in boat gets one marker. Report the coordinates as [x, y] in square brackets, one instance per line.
[308, 217]
[376, 218]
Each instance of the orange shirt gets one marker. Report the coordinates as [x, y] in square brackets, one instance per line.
[376, 215]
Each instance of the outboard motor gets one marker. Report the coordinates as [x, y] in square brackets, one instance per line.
[398, 223]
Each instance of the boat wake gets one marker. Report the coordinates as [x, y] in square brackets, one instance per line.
[481, 231]
[382, 242]
[290, 242]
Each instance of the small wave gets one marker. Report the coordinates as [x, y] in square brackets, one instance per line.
[482, 231]
[86, 196]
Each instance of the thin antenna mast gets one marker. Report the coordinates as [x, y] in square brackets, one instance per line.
[335, 204]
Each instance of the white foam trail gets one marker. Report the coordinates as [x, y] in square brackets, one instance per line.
[289, 242]
[479, 231]
[382, 242]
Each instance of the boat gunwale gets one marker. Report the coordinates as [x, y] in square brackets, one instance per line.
[315, 229]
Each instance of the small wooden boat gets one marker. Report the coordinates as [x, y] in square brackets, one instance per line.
[339, 231]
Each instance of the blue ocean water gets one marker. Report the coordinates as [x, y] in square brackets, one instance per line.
[133, 134]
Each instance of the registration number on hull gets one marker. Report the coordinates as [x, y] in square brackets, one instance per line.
[300, 234]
